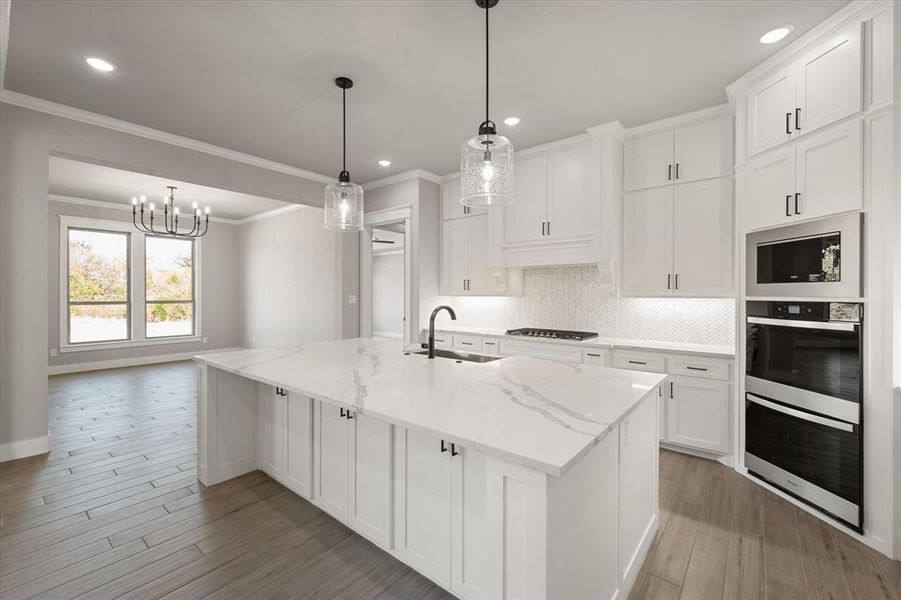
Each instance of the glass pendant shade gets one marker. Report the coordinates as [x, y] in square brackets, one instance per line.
[344, 206]
[486, 171]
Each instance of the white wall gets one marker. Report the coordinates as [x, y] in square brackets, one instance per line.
[218, 290]
[289, 279]
[388, 293]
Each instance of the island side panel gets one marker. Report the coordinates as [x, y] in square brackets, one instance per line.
[582, 525]
[226, 426]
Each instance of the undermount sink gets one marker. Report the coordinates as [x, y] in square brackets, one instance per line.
[461, 356]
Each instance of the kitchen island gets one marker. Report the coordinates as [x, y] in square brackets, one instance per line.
[517, 478]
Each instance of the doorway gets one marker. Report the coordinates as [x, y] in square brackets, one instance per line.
[386, 299]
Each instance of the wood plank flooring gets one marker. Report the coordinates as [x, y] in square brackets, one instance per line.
[115, 511]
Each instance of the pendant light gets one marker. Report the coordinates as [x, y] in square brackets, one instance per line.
[344, 200]
[486, 160]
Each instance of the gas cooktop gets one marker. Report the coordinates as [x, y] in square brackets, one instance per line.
[555, 334]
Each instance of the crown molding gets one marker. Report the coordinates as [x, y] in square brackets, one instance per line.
[83, 116]
[121, 206]
[712, 112]
[859, 10]
[399, 177]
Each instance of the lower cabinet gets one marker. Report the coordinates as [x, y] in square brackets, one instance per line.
[330, 444]
[698, 413]
[298, 473]
[271, 407]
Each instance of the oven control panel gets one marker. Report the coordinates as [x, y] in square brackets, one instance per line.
[806, 311]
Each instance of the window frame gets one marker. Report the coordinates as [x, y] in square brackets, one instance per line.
[193, 301]
[137, 304]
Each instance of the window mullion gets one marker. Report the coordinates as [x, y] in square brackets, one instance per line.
[138, 279]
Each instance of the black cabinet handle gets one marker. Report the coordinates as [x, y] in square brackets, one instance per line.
[637, 362]
[591, 354]
[797, 119]
[669, 172]
[342, 412]
[797, 196]
[350, 415]
[542, 227]
[787, 210]
[677, 281]
[668, 280]
[466, 343]
[443, 446]
[549, 228]
[788, 127]
[677, 170]
[660, 391]
[691, 368]
[454, 450]
[671, 390]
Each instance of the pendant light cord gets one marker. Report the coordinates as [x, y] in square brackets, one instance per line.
[344, 129]
[486, 61]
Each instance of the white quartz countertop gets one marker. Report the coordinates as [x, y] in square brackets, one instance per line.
[538, 413]
[600, 342]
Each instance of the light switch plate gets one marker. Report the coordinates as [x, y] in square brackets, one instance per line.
[351, 298]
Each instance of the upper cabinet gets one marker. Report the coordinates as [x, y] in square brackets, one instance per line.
[691, 153]
[819, 175]
[677, 211]
[466, 261]
[556, 218]
[450, 201]
[818, 89]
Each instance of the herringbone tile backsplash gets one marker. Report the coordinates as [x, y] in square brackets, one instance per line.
[571, 298]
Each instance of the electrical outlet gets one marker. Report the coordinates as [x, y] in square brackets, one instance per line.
[53, 351]
[351, 298]
[204, 340]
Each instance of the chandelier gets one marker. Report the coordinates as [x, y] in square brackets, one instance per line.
[169, 225]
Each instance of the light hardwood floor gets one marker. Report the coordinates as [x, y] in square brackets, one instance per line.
[115, 511]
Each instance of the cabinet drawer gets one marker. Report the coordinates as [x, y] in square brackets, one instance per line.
[491, 346]
[710, 368]
[445, 341]
[639, 361]
[468, 343]
[596, 356]
[542, 350]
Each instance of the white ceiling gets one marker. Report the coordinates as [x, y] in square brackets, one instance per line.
[98, 182]
[258, 76]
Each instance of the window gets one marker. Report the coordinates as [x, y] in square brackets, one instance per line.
[98, 308]
[169, 286]
[120, 287]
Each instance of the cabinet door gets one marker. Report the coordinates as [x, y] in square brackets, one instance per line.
[299, 447]
[454, 256]
[330, 431]
[370, 456]
[829, 171]
[698, 413]
[648, 161]
[573, 201]
[771, 109]
[423, 505]
[483, 278]
[270, 431]
[524, 218]
[770, 189]
[702, 238]
[829, 80]
[450, 201]
[648, 242]
[703, 151]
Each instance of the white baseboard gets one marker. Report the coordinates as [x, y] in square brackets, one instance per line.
[24, 448]
[98, 365]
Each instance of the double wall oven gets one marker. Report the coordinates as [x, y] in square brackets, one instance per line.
[803, 416]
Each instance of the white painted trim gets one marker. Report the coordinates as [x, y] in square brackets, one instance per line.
[117, 363]
[553, 146]
[859, 10]
[612, 129]
[83, 116]
[5, 6]
[411, 278]
[705, 114]
[123, 206]
[282, 210]
[406, 175]
[95, 346]
[25, 448]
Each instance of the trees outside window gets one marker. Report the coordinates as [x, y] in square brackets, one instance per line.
[169, 287]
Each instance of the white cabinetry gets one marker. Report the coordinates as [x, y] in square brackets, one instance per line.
[817, 176]
[698, 413]
[465, 260]
[298, 475]
[330, 441]
[818, 89]
[691, 153]
[271, 415]
[450, 201]
[677, 240]
[556, 218]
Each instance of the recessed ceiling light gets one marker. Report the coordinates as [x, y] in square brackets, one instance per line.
[511, 121]
[100, 64]
[771, 37]
[384, 163]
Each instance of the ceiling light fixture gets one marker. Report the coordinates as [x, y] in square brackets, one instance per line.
[199, 226]
[344, 200]
[775, 35]
[384, 163]
[486, 160]
[511, 121]
[100, 64]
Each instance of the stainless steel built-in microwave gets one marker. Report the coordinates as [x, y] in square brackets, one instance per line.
[817, 259]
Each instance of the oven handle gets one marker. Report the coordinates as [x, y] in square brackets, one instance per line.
[801, 414]
[834, 325]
